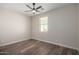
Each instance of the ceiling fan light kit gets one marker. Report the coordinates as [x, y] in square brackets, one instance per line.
[33, 11]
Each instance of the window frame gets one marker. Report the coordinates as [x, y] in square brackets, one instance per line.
[43, 24]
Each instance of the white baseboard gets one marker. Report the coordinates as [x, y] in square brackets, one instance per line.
[8, 43]
[57, 44]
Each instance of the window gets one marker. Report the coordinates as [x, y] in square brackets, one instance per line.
[44, 24]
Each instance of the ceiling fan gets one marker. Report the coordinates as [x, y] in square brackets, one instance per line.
[34, 9]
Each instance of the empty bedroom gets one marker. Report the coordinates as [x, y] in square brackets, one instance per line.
[39, 29]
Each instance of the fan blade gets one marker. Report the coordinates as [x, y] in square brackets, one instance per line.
[28, 6]
[27, 10]
[39, 7]
[37, 11]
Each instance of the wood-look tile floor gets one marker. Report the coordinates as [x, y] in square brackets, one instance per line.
[35, 47]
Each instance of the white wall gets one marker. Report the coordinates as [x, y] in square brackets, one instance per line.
[78, 27]
[62, 26]
[14, 27]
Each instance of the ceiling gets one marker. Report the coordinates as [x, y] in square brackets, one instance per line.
[20, 7]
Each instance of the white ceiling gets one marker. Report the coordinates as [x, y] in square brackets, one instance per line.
[20, 7]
